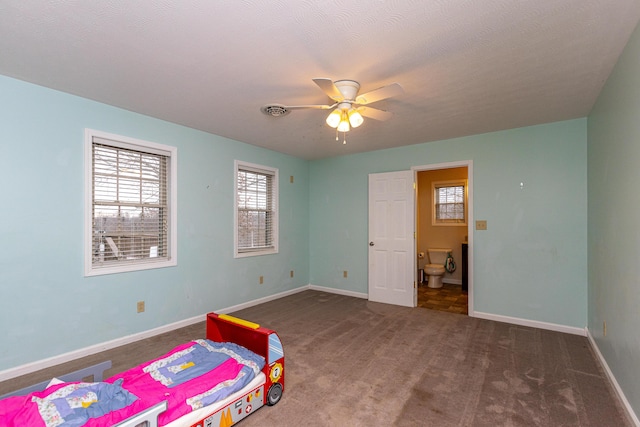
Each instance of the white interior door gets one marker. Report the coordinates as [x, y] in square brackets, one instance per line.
[392, 264]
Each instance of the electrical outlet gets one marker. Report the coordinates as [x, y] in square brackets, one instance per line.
[481, 225]
[261, 280]
[291, 274]
[344, 274]
[291, 179]
[604, 328]
[140, 306]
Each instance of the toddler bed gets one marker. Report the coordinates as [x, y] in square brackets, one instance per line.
[216, 381]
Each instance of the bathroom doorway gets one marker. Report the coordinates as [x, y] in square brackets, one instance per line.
[443, 223]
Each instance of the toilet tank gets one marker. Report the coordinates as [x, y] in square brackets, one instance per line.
[438, 255]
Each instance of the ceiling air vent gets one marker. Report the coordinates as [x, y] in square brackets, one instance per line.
[275, 110]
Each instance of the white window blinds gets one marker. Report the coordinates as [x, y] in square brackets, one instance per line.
[130, 211]
[449, 203]
[256, 214]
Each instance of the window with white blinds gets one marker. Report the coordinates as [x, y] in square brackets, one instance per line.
[256, 213]
[131, 208]
[449, 203]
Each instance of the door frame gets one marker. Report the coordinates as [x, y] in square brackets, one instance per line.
[448, 165]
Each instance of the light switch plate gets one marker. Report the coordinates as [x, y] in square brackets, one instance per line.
[481, 225]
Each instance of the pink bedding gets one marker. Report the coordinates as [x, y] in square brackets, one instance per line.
[190, 376]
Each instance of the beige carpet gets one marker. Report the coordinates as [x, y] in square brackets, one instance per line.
[350, 362]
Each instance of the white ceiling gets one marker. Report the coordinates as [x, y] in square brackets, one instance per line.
[467, 66]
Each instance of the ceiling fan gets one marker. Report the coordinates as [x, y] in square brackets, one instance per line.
[349, 107]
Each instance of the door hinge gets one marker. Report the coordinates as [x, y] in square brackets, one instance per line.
[414, 284]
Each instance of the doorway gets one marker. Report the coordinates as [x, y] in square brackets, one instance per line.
[441, 225]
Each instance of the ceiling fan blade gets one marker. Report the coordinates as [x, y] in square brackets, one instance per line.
[317, 107]
[374, 113]
[384, 92]
[329, 88]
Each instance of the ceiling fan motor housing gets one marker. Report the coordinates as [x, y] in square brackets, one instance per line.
[348, 88]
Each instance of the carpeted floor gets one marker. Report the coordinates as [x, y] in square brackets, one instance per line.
[351, 362]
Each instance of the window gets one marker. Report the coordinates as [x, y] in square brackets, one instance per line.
[130, 213]
[449, 203]
[256, 210]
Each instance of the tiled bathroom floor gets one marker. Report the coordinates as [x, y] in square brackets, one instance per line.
[449, 298]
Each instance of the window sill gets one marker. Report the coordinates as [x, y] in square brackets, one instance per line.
[255, 253]
[113, 269]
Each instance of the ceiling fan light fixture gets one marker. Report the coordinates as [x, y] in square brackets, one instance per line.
[334, 118]
[343, 126]
[355, 118]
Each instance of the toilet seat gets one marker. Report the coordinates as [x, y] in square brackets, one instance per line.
[434, 269]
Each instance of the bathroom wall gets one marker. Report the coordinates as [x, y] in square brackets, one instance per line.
[430, 236]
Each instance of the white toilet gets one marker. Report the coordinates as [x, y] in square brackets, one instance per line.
[435, 269]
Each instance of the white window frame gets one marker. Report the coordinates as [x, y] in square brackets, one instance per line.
[273, 249]
[444, 222]
[172, 201]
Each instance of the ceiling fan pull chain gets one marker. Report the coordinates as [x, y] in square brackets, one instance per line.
[337, 139]
[344, 141]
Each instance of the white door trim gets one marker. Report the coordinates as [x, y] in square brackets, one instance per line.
[448, 165]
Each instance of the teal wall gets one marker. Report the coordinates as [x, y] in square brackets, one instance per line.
[47, 306]
[531, 263]
[614, 235]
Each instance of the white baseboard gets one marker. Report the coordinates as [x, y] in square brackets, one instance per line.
[261, 300]
[532, 323]
[613, 380]
[97, 348]
[452, 281]
[338, 291]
